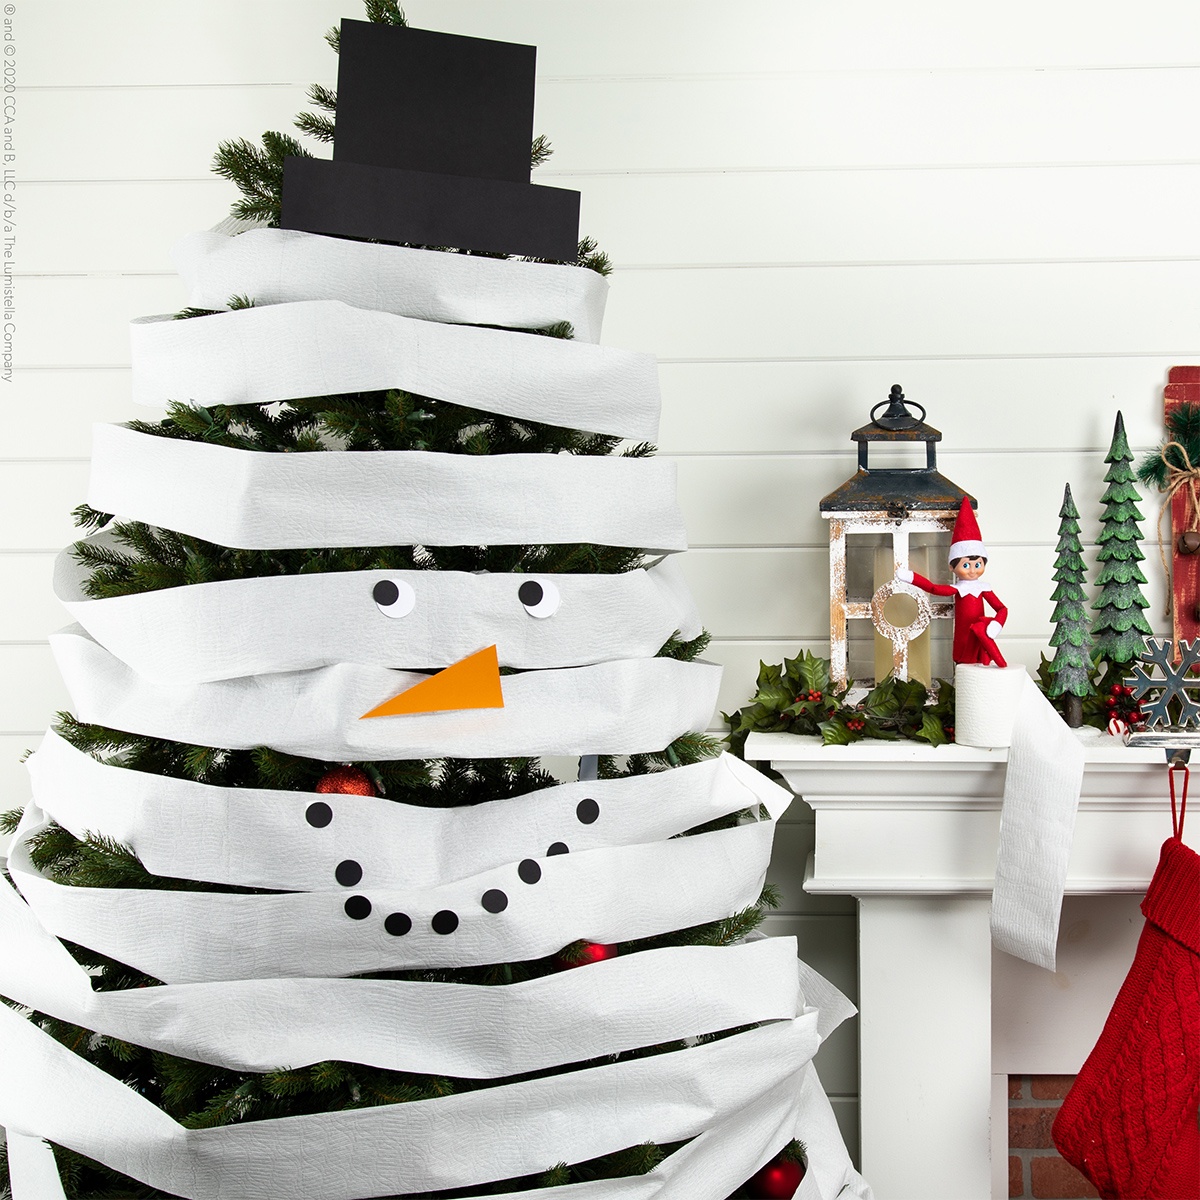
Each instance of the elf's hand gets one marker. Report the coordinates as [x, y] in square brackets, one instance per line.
[993, 629]
[904, 575]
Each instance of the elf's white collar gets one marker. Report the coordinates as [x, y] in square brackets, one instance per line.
[969, 587]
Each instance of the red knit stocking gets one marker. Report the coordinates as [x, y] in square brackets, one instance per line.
[1129, 1123]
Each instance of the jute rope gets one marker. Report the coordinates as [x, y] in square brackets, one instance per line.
[1178, 478]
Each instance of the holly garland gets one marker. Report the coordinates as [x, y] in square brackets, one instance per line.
[799, 697]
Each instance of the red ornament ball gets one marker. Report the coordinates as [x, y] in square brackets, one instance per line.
[346, 781]
[590, 952]
[778, 1180]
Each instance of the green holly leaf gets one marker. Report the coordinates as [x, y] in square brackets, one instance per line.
[834, 733]
[931, 731]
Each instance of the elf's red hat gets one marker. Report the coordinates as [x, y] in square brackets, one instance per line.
[967, 541]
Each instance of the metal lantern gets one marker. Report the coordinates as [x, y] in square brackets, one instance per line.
[883, 519]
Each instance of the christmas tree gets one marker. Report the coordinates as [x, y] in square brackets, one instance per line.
[1069, 671]
[1119, 627]
[299, 917]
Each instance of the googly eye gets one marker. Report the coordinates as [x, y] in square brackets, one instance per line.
[539, 597]
[393, 597]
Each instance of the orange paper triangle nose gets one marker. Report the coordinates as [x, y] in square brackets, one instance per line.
[473, 682]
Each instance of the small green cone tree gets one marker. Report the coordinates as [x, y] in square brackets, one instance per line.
[1072, 637]
[1119, 626]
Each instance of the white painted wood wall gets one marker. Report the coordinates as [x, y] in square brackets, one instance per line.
[806, 201]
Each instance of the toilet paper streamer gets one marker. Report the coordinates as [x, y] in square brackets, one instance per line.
[708, 1168]
[515, 1129]
[326, 347]
[32, 1171]
[1037, 825]
[254, 837]
[626, 707]
[297, 622]
[278, 266]
[612, 895]
[459, 1030]
[256, 500]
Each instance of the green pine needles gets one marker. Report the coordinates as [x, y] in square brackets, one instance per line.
[1070, 671]
[1119, 626]
[257, 170]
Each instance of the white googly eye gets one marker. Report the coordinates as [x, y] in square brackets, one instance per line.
[394, 597]
[539, 597]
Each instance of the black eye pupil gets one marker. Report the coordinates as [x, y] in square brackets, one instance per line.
[385, 592]
[530, 594]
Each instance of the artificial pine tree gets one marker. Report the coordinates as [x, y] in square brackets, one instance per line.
[67, 856]
[1119, 626]
[1069, 671]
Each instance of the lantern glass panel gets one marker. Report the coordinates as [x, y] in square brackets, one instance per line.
[860, 650]
[927, 555]
[861, 572]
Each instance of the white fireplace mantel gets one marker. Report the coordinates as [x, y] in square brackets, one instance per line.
[911, 831]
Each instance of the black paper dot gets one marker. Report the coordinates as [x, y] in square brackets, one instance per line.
[397, 924]
[318, 815]
[358, 908]
[494, 900]
[445, 921]
[587, 811]
[348, 873]
[558, 848]
[385, 592]
[530, 593]
[529, 871]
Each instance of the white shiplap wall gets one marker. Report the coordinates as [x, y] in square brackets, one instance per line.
[806, 202]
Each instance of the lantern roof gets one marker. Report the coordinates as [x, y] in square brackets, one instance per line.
[896, 491]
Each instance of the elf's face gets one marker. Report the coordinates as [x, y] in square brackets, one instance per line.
[970, 568]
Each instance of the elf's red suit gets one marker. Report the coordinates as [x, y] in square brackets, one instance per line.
[974, 630]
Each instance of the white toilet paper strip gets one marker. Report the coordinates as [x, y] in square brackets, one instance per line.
[297, 622]
[32, 1171]
[627, 707]
[326, 348]
[708, 1168]
[278, 266]
[458, 1030]
[252, 837]
[1037, 825]
[508, 914]
[264, 501]
[513, 1130]
[831, 1174]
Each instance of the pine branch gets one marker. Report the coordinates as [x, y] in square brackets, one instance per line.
[539, 152]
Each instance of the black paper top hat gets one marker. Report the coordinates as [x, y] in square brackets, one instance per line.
[431, 147]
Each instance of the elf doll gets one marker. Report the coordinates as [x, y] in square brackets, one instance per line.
[974, 632]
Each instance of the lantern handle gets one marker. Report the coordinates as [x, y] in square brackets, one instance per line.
[897, 415]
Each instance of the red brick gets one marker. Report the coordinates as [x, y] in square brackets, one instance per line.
[1051, 1087]
[1016, 1180]
[1029, 1128]
[1055, 1179]
[1014, 1087]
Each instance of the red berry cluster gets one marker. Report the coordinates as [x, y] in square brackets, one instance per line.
[1121, 704]
[856, 724]
[811, 697]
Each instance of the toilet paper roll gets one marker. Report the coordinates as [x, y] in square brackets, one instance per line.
[985, 703]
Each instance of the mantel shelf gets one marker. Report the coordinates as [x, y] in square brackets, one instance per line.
[897, 818]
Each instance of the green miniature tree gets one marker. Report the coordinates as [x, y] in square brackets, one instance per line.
[1069, 672]
[1119, 626]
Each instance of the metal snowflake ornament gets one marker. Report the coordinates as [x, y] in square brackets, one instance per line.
[1157, 681]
